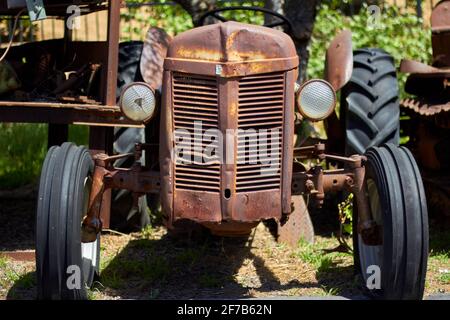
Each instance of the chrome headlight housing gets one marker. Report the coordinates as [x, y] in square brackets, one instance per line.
[138, 102]
[316, 99]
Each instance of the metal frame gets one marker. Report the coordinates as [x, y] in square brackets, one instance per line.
[100, 118]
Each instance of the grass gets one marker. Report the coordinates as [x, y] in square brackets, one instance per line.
[189, 257]
[24, 147]
[444, 278]
[333, 269]
[148, 269]
[314, 255]
[210, 281]
[3, 262]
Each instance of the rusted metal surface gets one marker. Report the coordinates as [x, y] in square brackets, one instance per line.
[214, 74]
[316, 182]
[440, 39]
[231, 228]
[231, 49]
[339, 60]
[136, 179]
[92, 223]
[28, 256]
[298, 226]
[36, 112]
[440, 17]
[425, 109]
[73, 109]
[411, 66]
[112, 58]
[154, 52]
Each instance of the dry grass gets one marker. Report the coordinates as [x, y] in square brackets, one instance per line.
[153, 265]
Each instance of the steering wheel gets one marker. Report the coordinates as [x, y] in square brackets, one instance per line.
[282, 20]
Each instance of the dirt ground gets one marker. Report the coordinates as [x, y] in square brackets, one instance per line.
[152, 264]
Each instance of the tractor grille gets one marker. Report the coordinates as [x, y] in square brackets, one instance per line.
[195, 99]
[261, 109]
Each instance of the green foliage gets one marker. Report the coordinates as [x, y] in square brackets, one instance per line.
[24, 147]
[136, 20]
[401, 35]
[346, 215]
[312, 254]
[174, 19]
[23, 150]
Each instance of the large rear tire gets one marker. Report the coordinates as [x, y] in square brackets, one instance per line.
[398, 204]
[369, 102]
[61, 258]
[123, 216]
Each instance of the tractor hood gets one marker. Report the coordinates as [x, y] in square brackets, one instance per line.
[234, 43]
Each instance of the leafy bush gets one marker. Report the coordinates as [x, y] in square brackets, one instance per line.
[174, 19]
[401, 35]
[136, 20]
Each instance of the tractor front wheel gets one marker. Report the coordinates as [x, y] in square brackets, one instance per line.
[64, 265]
[396, 267]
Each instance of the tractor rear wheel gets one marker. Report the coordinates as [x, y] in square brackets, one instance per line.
[64, 265]
[124, 216]
[398, 205]
[369, 102]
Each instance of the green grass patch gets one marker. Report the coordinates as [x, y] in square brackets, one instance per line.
[189, 257]
[121, 269]
[3, 262]
[210, 281]
[444, 277]
[24, 147]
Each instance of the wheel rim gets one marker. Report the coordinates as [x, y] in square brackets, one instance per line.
[89, 250]
[371, 255]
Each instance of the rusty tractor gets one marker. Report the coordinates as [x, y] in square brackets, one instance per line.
[429, 112]
[223, 102]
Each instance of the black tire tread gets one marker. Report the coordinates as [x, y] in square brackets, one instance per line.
[369, 102]
[58, 220]
[405, 225]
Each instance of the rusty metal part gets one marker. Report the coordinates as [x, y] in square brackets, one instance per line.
[231, 49]
[230, 228]
[28, 256]
[112, 58]
[154, 52]
[222, 69]
[440, 17]
[135, 179]
[440, 39]
[298, 226]
[425, 109]
[316, 182]
[339, 60]
[367, 227]
[92, 224]
[63, 113]
[412, 66]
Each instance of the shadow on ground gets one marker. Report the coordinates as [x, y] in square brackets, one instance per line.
[197, 266]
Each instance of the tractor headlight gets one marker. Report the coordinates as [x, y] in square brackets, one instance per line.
[137, 101]
[316, 99]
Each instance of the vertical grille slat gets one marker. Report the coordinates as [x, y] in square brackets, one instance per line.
[261, 106]
[195, 98]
